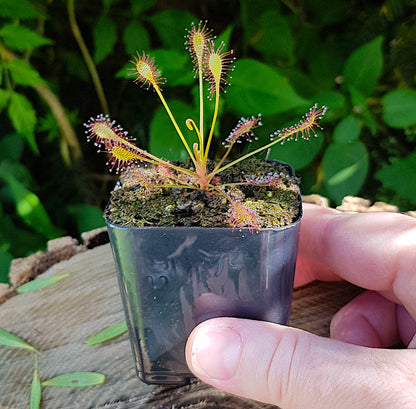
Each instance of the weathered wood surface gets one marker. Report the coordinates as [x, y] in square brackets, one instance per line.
[58, 320]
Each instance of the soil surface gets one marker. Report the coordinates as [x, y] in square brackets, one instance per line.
[270, 189]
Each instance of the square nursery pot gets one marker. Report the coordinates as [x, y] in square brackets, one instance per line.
[173, 278]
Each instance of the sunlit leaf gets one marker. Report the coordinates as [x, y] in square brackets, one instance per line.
[23, 117]
[107, 334]
[40, 283]
[30, 208]
[35, 391]
[76, 380]
[345, 167]
[10, 340]
[22, 38]
[23, 74]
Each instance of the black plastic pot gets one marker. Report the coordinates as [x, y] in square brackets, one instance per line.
[173, 278]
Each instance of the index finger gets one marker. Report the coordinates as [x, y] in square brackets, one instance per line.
[375, 251]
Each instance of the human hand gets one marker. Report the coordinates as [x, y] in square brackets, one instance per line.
[294, 369]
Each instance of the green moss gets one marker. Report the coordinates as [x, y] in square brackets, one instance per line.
[277, 203]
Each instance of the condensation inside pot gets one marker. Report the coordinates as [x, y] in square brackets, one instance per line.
[172, 279]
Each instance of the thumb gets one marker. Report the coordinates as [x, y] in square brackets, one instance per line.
[297, 370]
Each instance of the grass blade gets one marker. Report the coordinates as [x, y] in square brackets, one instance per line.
[13, 341]
[40, 283]
[108, 333]
[76, 380]
[35, 391]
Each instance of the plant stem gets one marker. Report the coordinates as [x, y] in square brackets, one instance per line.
[87, 57]
[201, 107]
[214, 120]
[159, 93]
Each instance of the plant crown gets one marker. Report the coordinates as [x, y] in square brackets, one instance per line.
[211, 64]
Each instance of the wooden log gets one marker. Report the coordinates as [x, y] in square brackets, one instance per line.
[59, 319]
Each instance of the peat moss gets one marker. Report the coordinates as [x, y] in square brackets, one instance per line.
[278, 204]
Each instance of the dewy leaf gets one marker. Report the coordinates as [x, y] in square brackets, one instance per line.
[400, 177]
[107, 334]
[23, 118]
[256, 88]
[364, 67]
[399, 108]
[23, 74]
[345, 167]
[22, 38]
[35, 391]
[76, 380]
[13, 341]
[40, 283]
[105, 37]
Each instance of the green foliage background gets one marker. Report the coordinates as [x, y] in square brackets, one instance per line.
[356, 57]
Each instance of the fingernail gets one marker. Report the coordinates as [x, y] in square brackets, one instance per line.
[216, 352]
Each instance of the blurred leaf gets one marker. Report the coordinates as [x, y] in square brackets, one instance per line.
[86, 217]
[35, 391]
[108, 333]
[257, 88]
[345, 167]
[164, 141]
[364, 67]
[13, 341]
[399, 108]
[4, 97]
[23, 118]
[22, 38]
[19, 9]
[76, 380]
[298, 154]
[175, 67]
[5, 260]
[136, 38]
[270, 34]
[224, 37]
[326, 12]
[138, 6]
[29, 207]
[400, 176]
[335, 102]
[105, 38]
[23, 74]
[170, 25]
[41, 283]
[348, 130]
[11, 147]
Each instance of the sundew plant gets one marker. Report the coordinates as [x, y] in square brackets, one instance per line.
[211, 64]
